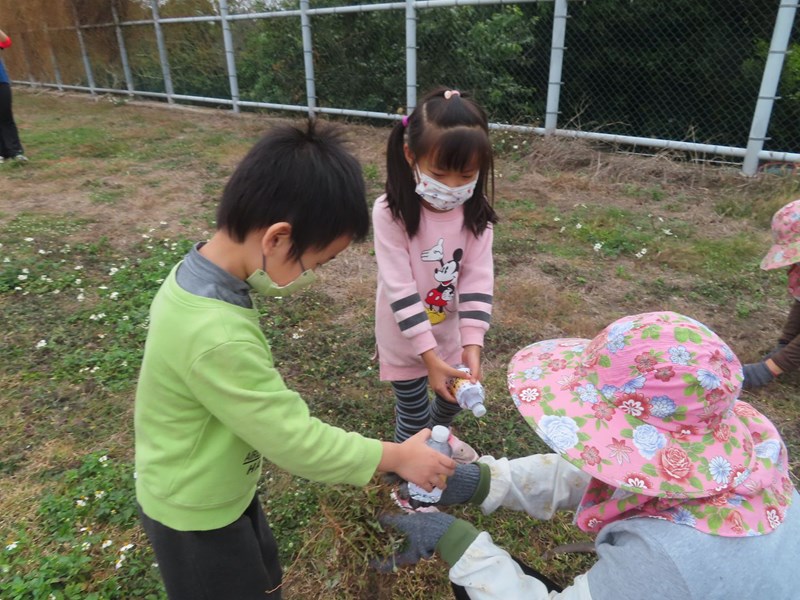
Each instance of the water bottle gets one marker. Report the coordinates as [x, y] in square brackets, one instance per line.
[437, 441]
[470, 396]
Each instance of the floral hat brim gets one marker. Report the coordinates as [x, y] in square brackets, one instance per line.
[785, 227]
[781, 255]
[647, 406]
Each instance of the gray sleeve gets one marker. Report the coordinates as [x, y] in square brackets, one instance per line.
[633, 565]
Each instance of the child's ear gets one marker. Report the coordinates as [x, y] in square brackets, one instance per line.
[409, 155]
[276, 236]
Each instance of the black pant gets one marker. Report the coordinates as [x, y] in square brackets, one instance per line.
[238, 561]
[460, 593]
[9, 137]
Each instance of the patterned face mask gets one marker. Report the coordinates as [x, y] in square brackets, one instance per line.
[441, 196]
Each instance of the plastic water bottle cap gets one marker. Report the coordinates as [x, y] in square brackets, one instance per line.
[440, 433]
[479, 410]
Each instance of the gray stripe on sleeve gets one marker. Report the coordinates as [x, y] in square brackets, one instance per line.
[404, 302]
[413, 320]
[478, 315]
[487, 298]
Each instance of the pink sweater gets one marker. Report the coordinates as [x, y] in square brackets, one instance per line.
[434, 290]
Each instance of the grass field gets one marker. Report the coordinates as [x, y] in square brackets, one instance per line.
[116, 192]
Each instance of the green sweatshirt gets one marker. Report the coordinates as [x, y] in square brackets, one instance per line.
[210, 404]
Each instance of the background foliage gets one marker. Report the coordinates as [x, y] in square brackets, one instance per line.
[685, 70]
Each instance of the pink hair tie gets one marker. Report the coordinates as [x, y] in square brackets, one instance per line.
[450, 93]
[405, 121]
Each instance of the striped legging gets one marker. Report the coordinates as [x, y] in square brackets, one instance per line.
[414, 411]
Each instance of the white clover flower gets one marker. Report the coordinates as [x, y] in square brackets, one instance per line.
[28, 239]
[86, 545]
[102, 287]
[597, 246]
[78, 268]
[578, 226]
[12, 546]
[561, 230]
[666, 232]
[22, 277]
[103, 459]
[106, 544]
[162, 222]
[80, 297]
[78, 281]
[80, 502]
[296, 336]
[113, 270]
[126, 547]
[42, 251]
[145, 236]
[161, 263]
[101, 335]
[125, 317]
[56, 291]
[41, 343]
[114, 295]
[6, 260]
[556, 219]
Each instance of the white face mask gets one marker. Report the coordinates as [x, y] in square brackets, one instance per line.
[441, 196]
[261, 282]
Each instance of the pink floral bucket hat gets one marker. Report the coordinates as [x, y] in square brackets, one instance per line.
[785, 249]
[649, 408]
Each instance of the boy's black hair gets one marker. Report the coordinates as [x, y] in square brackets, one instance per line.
[452, 133]
[303, 176]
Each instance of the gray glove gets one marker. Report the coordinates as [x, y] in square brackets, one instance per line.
[756, 375]
[461, 487]
[422, 530]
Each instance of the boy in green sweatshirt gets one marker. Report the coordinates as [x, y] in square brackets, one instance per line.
[210, 403]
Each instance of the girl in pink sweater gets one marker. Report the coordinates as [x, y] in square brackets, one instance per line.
[433, 243]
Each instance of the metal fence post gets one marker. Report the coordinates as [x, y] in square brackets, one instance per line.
[56, 70]
[230, 57]
[556, 66]
[308, 59]
[769, 84]
[87, 65]
[411, 56]
[123, 51]
[162, 52]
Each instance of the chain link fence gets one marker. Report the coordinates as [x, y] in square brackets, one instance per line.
[642, 71]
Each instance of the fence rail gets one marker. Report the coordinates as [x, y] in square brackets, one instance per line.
[543, 65]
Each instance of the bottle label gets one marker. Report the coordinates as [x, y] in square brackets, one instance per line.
[420, 495]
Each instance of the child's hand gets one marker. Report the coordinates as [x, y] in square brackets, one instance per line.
[417, 462]
[439, 373]
[471, 357]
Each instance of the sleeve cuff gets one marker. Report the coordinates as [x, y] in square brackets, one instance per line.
[456, 540]
[423, 342]
[472, 336]
[484, 484]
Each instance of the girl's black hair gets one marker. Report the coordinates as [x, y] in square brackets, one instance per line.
[452, 133]
[303, 176]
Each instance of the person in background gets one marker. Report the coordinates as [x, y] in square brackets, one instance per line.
[433, 244]
[686, 487]
[211, 405]
[785, 252]
[10, 146]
